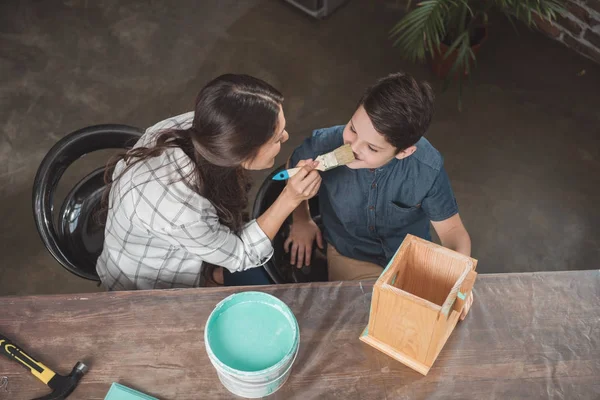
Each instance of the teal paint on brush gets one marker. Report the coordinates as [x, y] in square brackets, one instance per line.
[281, 176]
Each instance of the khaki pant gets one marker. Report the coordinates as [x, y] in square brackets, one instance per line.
[342, 268]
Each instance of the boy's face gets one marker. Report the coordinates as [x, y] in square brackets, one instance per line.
[370, 148]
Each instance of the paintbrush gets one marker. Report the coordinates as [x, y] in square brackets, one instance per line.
[341, 156]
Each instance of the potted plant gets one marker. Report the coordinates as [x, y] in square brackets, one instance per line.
[451, 31]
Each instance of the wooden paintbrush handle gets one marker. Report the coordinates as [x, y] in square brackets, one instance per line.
[288, 173]
[294, 171]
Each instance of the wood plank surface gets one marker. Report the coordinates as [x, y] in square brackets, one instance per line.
[533, 335]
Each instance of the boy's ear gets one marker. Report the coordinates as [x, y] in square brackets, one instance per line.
[406, 152]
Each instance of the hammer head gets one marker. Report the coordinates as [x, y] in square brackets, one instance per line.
[63, 386]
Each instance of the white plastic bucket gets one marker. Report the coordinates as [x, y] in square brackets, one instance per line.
[252, 340]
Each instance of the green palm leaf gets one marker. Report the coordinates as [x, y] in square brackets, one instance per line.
[424, 29]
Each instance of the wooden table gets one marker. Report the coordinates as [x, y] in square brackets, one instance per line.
[534, 336]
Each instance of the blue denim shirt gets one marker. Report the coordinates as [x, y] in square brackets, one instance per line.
[367, 213]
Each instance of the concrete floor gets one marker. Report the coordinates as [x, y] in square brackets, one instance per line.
[523, 156]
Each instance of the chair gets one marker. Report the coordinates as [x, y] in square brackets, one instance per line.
[76, 241]
[278, 267]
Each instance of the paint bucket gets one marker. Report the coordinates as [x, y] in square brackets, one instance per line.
[252, 340]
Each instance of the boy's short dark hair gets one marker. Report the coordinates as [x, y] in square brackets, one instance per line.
[400, 108]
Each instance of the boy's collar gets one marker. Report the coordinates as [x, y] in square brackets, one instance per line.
[389, 165]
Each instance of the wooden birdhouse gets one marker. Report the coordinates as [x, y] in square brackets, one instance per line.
[417, 302]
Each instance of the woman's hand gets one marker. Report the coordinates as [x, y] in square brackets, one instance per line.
[300, 187]
[304, 185]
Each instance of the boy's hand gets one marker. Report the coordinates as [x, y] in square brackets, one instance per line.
[302, 236]
[467, 306]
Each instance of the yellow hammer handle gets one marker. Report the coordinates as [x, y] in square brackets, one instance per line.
[38, 369]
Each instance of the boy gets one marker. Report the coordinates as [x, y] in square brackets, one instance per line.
[397, 185]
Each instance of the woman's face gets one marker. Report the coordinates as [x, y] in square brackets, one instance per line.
[265, 158]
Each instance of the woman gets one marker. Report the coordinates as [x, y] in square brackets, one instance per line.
[176, 200]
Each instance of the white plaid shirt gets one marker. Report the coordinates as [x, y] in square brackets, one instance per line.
[159, 232]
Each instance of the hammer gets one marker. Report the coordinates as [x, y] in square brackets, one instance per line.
[62, 386]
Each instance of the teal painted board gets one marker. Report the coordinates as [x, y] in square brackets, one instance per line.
[120, 392]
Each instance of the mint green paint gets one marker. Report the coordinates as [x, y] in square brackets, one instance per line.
[461, 296]
[120, 392]
[252, 331]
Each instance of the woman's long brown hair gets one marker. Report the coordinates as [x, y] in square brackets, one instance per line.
[233, 117]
